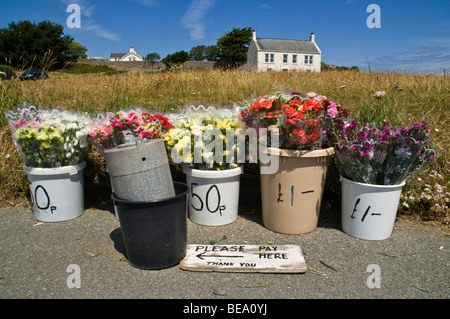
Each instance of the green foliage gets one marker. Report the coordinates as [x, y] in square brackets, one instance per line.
[231, 50]
[197, 53]
[152, 57]
[176, 58]
[25, 44]
[75, 51]
[326, 67]
[204, 52]
[212, 53]
[233, 47]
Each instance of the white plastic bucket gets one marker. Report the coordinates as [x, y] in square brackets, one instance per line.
[214, 195]
[57, 193]
[369, 211]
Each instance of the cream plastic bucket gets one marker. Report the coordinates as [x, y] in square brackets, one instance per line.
[292, 196]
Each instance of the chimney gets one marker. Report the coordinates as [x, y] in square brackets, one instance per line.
[254, 36]
[312, 37]
[132, 49]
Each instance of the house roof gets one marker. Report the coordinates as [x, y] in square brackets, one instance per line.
[281, 45]
[123, 55]
[116, 55]
[132, 53]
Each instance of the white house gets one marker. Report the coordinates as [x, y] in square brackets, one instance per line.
[130, 56]
[283, 55]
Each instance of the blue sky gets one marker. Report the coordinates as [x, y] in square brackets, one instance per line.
[414, 36]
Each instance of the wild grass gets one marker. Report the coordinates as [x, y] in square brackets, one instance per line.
[409, 98]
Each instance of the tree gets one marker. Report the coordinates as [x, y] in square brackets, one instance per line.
[233, 47]
[180, 57]
[152, 57]
[198, 53]
[75, 51]
[26, 44]
[203, 52]
[175, 58]
[212, 53]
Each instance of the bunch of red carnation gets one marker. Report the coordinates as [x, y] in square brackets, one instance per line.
[299, 119]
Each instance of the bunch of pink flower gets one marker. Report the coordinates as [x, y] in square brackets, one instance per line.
[102, 136]
[144, 125]
[380, 153]
[110, 133]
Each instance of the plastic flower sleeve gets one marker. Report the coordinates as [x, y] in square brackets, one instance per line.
[382, 154]
[123, 127]
[204, 137]
[49, 138]
[300, 120]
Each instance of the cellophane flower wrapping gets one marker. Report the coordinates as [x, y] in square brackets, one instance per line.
[49, 138]
[302, 122]
[114, 129]
[381, 153]
[205, 138]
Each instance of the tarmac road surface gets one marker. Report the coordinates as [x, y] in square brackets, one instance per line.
[36, 259]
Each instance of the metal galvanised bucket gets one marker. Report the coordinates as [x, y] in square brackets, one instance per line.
[140, 171]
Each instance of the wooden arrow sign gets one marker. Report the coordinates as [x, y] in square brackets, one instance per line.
[244, 258]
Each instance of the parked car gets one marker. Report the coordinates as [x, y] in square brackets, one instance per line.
[7, 73]
[33, 74]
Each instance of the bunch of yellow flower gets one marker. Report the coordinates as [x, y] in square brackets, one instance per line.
[49, 138]
[201, 140]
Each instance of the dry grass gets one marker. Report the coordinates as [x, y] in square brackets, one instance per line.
[410, 97]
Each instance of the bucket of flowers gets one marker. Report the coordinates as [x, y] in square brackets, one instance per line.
[53, 145]
[204, 141]
[136, 158]
[292, 182]
[149, 205]
[374, 161]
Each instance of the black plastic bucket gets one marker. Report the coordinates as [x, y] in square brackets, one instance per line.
[155, 232]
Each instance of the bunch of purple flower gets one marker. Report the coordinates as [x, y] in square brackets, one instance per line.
[380, 153]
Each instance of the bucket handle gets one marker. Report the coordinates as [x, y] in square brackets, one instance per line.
[114, 201]
[137, 140]
[73, 171]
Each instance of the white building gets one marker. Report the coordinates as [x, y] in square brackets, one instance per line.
[283, 55]
[130, 56]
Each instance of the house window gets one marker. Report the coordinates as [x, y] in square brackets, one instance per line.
[269, 57]
[308, 59]
[294, 58]
[285, 58]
